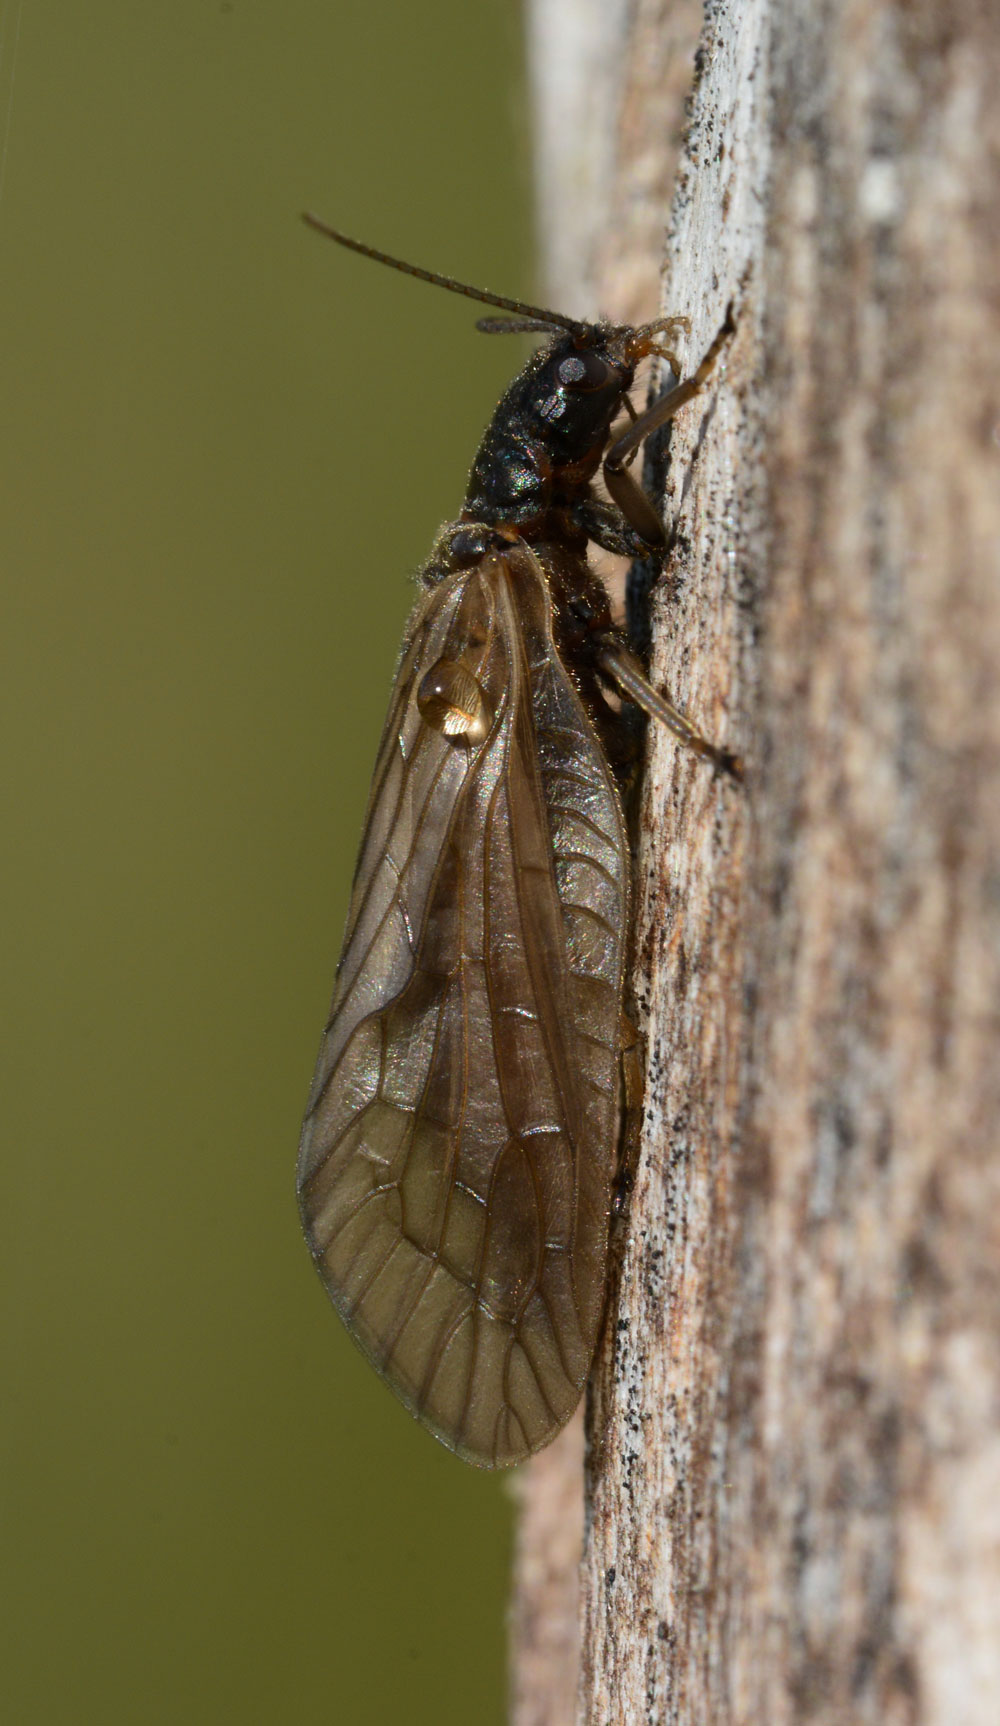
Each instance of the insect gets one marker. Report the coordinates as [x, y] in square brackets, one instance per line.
[459, 1153]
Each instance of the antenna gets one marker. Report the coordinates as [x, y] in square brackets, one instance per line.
[554, 320]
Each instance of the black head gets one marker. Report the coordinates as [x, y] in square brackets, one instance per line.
[570, 390]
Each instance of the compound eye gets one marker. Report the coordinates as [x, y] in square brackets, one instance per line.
[584, 371]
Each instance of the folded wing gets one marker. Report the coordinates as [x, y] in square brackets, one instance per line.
[458, 1152]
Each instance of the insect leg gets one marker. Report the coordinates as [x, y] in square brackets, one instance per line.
[619, 664]
[605, 524]
[627, 493]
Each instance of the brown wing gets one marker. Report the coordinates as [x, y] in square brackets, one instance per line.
[457, 1155]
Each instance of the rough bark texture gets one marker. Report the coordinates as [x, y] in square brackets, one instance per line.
[793, 1480]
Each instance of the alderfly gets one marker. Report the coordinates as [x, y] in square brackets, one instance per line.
[460, 1148]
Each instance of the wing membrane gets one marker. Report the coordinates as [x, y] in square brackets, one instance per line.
[458, 1151]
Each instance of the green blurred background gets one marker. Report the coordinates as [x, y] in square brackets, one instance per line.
[225, 444]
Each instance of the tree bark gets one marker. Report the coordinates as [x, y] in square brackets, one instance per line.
[792, 1484]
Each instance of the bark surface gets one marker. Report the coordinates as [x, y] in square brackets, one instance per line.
[792, 1484]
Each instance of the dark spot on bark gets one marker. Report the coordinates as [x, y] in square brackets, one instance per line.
[843, 1128]
[920, 1274]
